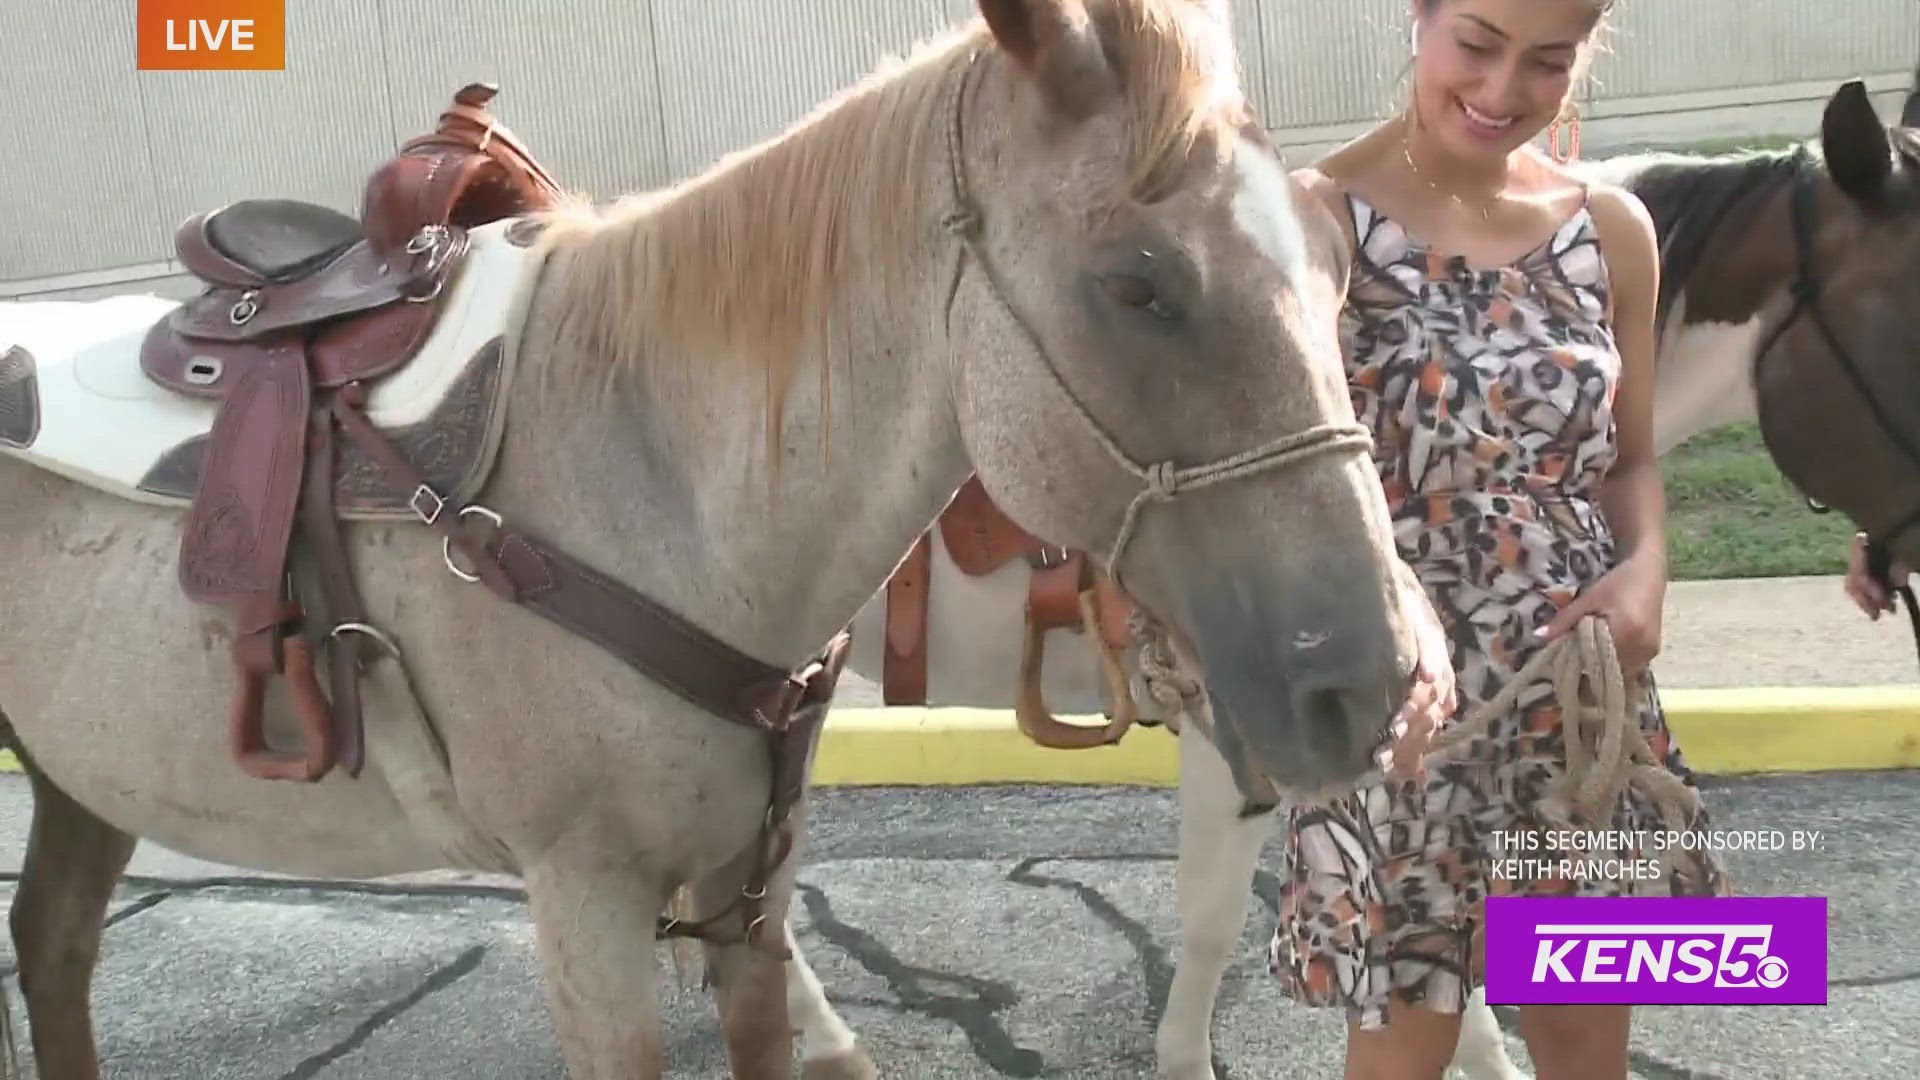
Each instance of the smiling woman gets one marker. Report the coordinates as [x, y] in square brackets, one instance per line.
[1498, 340]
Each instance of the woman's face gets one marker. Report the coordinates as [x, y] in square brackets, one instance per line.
[1490, 74]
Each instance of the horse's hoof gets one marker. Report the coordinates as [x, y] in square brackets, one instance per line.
[848, 1065]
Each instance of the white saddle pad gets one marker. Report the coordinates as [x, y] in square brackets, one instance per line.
[103, 423]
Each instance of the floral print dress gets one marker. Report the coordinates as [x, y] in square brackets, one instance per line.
[1489, 393]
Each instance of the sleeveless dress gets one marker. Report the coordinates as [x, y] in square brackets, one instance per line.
[1489, 393]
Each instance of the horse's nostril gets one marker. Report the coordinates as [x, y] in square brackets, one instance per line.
[1321, 706]
[1323, 711]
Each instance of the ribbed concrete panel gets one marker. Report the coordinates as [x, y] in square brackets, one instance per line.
[76, 188]
[1253, 59]
[1679, 45]
[98, 162]
[304, 133]
[1330, 61]
[578, 80]
[734, 72]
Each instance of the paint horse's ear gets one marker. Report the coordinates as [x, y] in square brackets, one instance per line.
[1910, 115]
[1854, 141]
[1056, 44]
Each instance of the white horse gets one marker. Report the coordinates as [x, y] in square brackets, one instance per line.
[1728, 266]
[1053, 249]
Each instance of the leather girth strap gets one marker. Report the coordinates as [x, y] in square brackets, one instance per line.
[903, 663]
[787, 706]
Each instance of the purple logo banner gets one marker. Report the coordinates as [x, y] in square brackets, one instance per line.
[1657, 950]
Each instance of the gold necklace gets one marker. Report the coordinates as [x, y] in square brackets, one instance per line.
[1406, 150]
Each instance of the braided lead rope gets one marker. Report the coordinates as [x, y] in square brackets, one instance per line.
[1167, 682]
[1600, 728]
[1161, 481]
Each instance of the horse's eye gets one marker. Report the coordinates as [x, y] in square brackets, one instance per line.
[1136, 292]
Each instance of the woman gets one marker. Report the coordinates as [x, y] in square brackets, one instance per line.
[1499, 343]
[1863, 589]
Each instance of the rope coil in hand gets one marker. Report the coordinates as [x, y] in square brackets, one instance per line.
[1606, 750]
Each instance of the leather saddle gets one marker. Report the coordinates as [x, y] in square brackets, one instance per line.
[301, 307]
[1065, 591]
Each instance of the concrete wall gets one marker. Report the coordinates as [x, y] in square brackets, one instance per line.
[102, 161]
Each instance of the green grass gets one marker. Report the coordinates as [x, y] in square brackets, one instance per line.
[1731, 514]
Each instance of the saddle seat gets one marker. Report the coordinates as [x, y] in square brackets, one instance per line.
[279, 240]
[301, 309]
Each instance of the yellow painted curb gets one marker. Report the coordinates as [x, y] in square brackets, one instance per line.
[1722, 732]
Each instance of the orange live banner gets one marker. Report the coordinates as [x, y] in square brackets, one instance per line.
[212, 35]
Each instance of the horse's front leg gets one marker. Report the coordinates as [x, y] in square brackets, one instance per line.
[828, 1047]
[753, 985]
[1218, 853]
[1481, 1053]
[749, 981]
[594, 921]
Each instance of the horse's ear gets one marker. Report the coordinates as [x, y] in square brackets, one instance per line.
[1056, 43]
[1854, 141]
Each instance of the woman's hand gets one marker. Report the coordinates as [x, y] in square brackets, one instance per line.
[1433, 697]
[1865, 592]
[1629, 597]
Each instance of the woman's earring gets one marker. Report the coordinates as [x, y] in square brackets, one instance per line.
[1572, 152]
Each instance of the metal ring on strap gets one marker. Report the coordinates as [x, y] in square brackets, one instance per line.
[446, 543]
[369, 630]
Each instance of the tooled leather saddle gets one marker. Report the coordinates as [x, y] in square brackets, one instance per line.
[301, 306]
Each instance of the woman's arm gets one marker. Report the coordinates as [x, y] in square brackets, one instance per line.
[1632, 497]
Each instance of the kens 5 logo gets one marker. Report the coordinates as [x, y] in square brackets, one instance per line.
[212, 35]
[1758, 950]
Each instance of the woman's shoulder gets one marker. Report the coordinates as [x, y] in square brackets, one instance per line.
[1333, 178]
[1619, 213]
[1322, 186]
[1625, 233]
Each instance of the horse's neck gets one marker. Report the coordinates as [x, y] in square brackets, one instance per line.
[1724, 296]
[672, 494]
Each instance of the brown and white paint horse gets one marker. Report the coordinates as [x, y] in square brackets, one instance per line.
[1727, 322]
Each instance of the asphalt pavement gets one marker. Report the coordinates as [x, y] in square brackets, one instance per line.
[965, 932]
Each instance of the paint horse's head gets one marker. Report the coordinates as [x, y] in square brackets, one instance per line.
[1837, 378]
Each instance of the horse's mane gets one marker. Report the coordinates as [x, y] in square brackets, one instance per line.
[742, 268]
[1694, 200]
